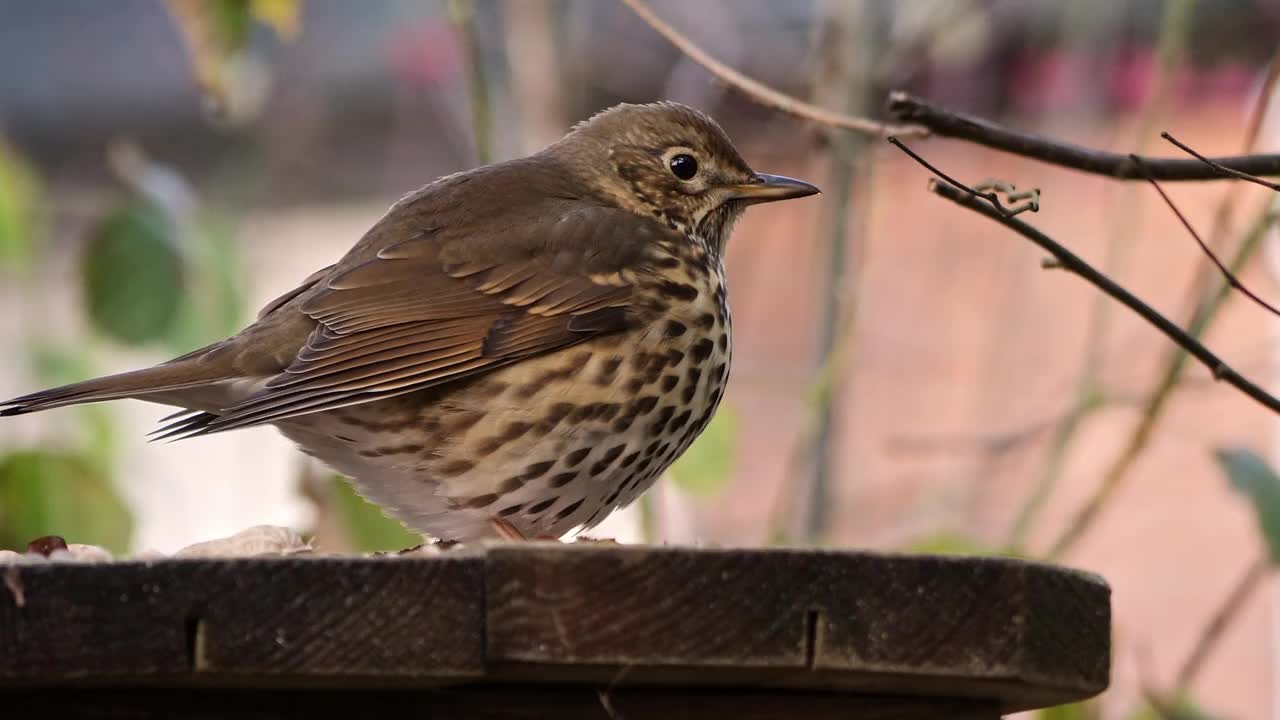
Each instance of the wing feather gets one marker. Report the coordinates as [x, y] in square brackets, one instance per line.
[398, 315]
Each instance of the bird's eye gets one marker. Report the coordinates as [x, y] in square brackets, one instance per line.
[684, 166]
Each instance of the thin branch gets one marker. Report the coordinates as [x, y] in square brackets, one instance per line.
[946, 123]
[761, 93]
[972, 200]
[1232, 280]
[1212, 632]
[1219, 167]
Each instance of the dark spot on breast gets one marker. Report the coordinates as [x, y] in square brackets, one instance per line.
[514, 431]
[680, 421]
[655, 369]
[461, 422]
[651, 449]
[702, 349]
[679, 290]
[584, 412]
[536, 470]
[639, 361]
[492, 388]
[635, 384]
[694, 374]
[718, 372]
[405, 449]
[687, 394]
[454, 468]
[569, 509]
[608, 411]
[675, 328]
[644, 405]
[510, 485]
[609, 370]
[623, 423]
[607, 459]
[577, 456]
[480, 501]
[562, 479]
[674, 357]
[613, 496]
[565, 372]
[630, 459]
[508, 511]
[669, 383]
[542, 506]
[666, 262]
[644, 465]
[344, 438]
[723, 342]
[660, 424]
[706, 321]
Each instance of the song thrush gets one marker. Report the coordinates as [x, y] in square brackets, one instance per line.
[516, 349]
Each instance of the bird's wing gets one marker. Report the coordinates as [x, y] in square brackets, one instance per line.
[440, 304]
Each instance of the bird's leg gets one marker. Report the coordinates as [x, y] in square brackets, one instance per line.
[1022, 201]
[509, 532]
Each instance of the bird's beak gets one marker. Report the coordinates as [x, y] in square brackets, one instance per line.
[767, 188]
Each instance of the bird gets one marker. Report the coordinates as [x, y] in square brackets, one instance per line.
[512, 351]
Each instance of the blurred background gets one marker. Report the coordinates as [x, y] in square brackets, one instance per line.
[906, 377]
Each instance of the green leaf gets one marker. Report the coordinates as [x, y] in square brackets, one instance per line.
[367, 528]
[59, 493]
[214, 304]
[945, 543]
[62, 365]
[1072, 711]
[1251, 476]
[706, 466]
[1180, 709]
[19, 196]
[133, 274]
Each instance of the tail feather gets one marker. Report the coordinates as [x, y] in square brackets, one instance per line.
[136, 384]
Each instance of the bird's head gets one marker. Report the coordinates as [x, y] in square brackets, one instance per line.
[673, 163]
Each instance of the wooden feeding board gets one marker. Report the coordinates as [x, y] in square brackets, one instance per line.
[550, 630]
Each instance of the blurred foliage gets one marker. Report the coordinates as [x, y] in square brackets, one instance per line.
[947, 543]
[132, 273]
[1182, 709]
[705, 468]
[59, 493]
[18, 192]
[215, 30]
[368, 529]
[213, 303]
[1252, 476]
[1074, 711]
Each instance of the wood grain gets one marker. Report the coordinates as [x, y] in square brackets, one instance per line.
[672, 627]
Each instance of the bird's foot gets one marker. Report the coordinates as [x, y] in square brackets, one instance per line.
[507, 531]
[595, 541]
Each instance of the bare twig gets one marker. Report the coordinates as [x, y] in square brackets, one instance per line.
[1219, 167]
[761, 93]
[1118, 166]
[1212, 632]
[1230, 277]
[972, 200]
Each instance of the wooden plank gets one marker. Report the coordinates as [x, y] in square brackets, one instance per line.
[394, 617]
[1006, 632]
[1027, 634]
[502, 702]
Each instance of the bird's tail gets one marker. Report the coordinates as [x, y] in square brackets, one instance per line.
[143, 384]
